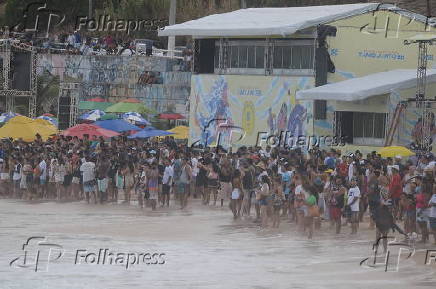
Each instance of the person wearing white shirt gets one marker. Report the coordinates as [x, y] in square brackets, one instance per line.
[353, 203]
[88, 172]
[167, 180]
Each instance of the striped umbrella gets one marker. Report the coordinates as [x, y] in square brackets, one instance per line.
[92, 115]
[135, 117]
[4, 117]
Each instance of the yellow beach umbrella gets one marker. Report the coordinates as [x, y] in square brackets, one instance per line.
[392, 151]
[48, 125]
[21, 127]
[180, 132]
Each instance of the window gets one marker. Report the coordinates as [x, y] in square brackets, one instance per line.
[248, 56]
[251, 54]
[298, 54]
[369, 125]
[243, 56]
[260, 57]
[278, 57]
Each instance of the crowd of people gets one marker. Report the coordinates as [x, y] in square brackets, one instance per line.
[74, 42]
[267, 185]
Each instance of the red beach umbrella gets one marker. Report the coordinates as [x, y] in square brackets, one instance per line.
[91, 130]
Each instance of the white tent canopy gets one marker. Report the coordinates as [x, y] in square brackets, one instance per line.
[266, 21]
[363, 87]
[282, 21]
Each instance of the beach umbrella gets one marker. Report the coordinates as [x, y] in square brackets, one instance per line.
[92, 115]
[118, 125]
[122, 107]
[48, 114]
[4, 117]
[135, 117]
[393, 151]
[149, 132]
[90, 105]
[170, 116]
[89, 129]
[180, 132]
[51, 120]
[25, 128]
[48, 125]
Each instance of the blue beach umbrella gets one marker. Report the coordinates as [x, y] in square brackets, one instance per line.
[4, 117]
[117, 125]
[149, 132]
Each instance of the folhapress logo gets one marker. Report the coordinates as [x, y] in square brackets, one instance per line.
[37, 254]
[39, 18]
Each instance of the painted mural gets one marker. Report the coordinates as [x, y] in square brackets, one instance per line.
[223, 104]
[118, 77]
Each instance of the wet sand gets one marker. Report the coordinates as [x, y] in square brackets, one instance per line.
[204, 248]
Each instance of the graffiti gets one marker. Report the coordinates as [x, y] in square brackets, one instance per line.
[116, 77]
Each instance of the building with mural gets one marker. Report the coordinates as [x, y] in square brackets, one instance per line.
[252, 66]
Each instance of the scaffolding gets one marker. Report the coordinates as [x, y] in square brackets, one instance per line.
[422, 103]
[7, 49]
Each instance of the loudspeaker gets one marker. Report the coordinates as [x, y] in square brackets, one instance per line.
[64, 112]
[21, 70]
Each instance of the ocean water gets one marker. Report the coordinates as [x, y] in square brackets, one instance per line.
[200, 247]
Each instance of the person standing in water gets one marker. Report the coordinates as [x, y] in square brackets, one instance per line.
[236, 194]
[353, 202]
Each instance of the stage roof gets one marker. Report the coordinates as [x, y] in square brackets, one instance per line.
[363, 87]
[281, 21]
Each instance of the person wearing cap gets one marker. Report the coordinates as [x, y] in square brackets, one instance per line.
[353, 202]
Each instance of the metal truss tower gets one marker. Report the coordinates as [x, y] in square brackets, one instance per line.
[423, 103]
[7, 49]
